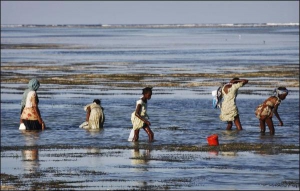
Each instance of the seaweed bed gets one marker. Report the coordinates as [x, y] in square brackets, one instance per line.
[82, 74]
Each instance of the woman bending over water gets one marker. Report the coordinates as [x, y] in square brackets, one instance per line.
[264, 112]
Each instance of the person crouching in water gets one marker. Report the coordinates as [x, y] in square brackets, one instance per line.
[140, 118]
[95, 115]
[264, 112]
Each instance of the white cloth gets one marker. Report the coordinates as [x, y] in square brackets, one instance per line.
[131, 135]
[22, 127]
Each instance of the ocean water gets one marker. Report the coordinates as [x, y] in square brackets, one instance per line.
[178, 115]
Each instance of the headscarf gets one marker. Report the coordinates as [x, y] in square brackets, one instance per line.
[278, 92]
[33, 85]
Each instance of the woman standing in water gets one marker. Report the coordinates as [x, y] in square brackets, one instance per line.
[264, 112]
[229, 110]
[30, 113]
[140, 118]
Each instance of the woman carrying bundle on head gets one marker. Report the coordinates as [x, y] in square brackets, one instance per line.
[264, 112]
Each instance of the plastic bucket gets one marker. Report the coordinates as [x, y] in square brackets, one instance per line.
[213, 140]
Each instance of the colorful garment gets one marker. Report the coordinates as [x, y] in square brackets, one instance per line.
[136, 122]
[29, 114]
[266, 108]
[33, 85]
[97, 118]
[228, 107]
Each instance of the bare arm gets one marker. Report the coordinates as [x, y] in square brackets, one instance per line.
[240, 80]
[138, 112]
[88, 112]
[277, 115]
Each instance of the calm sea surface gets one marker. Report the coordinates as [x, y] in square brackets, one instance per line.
[178, 116]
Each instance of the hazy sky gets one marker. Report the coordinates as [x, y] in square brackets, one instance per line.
[148, 12]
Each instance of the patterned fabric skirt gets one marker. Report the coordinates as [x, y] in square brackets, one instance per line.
[263, 111]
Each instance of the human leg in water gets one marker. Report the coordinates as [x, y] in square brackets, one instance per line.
[237, 122]
[270, 125]
[229, 125]
[262, 125]
[136, 135]
[149, 132]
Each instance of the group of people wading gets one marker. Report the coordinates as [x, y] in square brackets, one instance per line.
[31, 117]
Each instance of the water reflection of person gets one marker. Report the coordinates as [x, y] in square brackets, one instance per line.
[31, 156]
[140, 157]
[94, 132]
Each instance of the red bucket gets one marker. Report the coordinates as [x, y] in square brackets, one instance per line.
[213, 140]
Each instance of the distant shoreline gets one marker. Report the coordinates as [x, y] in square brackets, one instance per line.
[151, 25]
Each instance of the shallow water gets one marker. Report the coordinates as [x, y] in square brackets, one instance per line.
[94, 168]
[179, 115]
[174, 121]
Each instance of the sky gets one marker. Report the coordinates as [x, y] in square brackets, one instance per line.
[148, 12]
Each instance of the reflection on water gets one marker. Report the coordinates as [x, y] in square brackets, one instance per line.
[139, 157]
[95, 132]
[144, 169]
[31, 160]
[93, 150]
[30, 157]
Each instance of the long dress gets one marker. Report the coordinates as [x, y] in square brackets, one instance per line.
[29, 114]
[97, 118]
[229, 109]
[136, 122]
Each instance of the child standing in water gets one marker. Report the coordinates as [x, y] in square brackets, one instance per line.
[229, 110]
[140, 118]
[264, 112]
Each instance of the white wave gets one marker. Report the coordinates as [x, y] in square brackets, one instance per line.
[154, 25]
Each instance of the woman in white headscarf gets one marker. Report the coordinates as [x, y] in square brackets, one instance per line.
[30, 113]
[264, 112]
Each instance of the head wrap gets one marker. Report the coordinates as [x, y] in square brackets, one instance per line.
[33, 85]
[278, 92]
